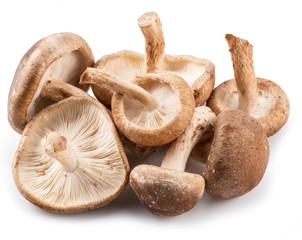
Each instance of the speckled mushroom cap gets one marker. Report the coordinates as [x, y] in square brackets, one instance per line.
[238, 156]
[61, 56]
[198, 73]
[70, 158]
[261, 98]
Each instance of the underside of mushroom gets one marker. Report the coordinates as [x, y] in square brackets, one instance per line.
[70, 158]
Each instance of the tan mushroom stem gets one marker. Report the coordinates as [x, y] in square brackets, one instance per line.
[58, 90]
[242, 58]
[179, 151]
[96, 76]
[154, 41]
[55, 145]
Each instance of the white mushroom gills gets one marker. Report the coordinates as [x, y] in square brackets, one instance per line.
[179, 151]
[55, 145]
[96, 76]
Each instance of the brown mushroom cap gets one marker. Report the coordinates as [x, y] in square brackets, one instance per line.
[273, 108]
[70, 158]
[61, 56]
[166, 192]
[161, 125]
[238, 157]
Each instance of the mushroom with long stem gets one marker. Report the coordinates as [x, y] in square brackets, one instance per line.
[261, 98]
[151, 109]
[168, 190]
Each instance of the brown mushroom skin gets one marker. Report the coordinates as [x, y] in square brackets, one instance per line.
[167, 192]
[238, 156]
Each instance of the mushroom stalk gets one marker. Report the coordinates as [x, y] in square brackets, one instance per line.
[151, 27]
[179, 151]
[55, 145]
[58, 90]
[96, 76]
[242, 58]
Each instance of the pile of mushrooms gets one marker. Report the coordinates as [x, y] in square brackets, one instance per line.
[71, 156]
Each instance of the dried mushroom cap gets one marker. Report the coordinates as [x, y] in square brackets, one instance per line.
[261, 98]
[168, 190]
[238, 156]
[70, 158]
[198, 73]
[61, 56]
[151, 109]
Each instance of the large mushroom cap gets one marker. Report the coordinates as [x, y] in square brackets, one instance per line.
[61, 56]
[198, 73]
[163, 124]
[91, 175]
[273, 110]
[166, 192]
[238, 156]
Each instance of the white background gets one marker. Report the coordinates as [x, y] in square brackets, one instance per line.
[273, 209]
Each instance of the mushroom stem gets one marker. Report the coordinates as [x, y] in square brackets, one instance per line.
[55, 145]
[58, 90]
[98, 77]
[151, 27]
[179, 150]
[242, 58]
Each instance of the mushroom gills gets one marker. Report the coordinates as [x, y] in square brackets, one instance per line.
[165, 111]
[68, 69]
[231, 99]
[100, 168]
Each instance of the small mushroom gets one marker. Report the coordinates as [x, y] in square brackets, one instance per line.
[168, 190]
[70, 158]
[261, 98]
[61, 56]
[198, 73]
[150, 109]
[238, 156]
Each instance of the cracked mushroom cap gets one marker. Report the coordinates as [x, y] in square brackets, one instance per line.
[174, 110]
[166, 192]
[61, 56]
[238, 156]
[70, 158]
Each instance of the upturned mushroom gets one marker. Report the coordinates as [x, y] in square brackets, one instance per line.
[150, 109]
[168, 190]
[70, 158]
[198, 73]
[62, 57]
[238, 157]
[261, 98]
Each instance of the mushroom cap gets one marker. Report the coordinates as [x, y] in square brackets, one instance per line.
[102, 166]
[198, 73]
[165, 123]
[166, 192]
[61, 56]
[238, 157]
[273, 108]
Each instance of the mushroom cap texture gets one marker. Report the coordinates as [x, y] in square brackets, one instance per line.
[198, 73]
[172, 123]
[166, 192]
[61, 55]
[103, 168]
[238, 157]
[274, 104]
